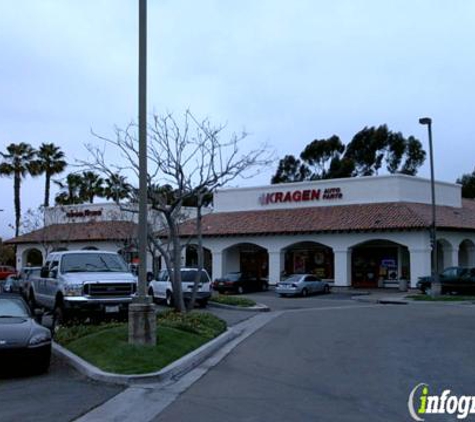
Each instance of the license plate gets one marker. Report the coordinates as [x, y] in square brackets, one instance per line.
[112, 309]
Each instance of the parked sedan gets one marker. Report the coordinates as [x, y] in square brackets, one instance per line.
[22, 340]
[239, 282]
[452, 280]
[301, 285]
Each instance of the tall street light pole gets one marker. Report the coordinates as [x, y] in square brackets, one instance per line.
[435, 285]
[142, 319]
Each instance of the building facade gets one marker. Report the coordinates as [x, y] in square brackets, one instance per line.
[360, 232]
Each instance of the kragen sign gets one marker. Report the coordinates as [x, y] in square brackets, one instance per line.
[306, 195]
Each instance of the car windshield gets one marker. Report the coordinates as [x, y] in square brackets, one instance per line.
[94, 262]
[294, 277]
[187, 276]
[233, 276]
[10, 308]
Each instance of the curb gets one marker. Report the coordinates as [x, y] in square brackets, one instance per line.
[381, 300]
[178, 367]
[257, 308]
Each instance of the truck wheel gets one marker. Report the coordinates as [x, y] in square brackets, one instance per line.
[169, 299]
[59, 317]
[203, 303]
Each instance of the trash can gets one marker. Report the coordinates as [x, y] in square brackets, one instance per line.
[402, 285]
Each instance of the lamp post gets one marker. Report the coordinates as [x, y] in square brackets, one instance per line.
[142, 319]
[435, 285]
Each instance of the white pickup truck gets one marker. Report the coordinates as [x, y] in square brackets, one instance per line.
[162, 288]
[83, 282]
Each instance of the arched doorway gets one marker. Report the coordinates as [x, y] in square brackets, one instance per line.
[191, 258]
[32, 258]
[248, 258]
[467, 253]
[379, 263]
[309, 258]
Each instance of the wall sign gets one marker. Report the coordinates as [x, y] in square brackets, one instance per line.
[306, 195]
[85, 213]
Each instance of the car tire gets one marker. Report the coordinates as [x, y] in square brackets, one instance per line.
[203, 303]
[150, 293]
[304, 292]
[31, 301]
[43, 364]
[240, 290]
[169, 298]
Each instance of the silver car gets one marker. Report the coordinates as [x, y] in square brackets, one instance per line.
[302, 285]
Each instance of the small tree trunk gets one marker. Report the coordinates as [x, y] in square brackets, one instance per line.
[47, 186]
[176, 273]
[200, 252]
[16, 196]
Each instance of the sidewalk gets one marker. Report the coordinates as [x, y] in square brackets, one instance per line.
[383, 296]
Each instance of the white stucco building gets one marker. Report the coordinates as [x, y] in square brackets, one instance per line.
[367, 231]
[360, 232]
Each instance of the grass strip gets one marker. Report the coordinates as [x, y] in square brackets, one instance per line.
[443, 298]
[106, 345]
[242, 302]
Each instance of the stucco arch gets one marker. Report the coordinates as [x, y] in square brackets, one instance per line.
[379, 263]
[466, 253]
[247, 257]
[32, 257]
[308, 257]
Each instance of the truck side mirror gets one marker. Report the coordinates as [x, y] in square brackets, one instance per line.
[44, 272]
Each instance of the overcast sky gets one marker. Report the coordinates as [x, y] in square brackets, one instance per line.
[287, 72]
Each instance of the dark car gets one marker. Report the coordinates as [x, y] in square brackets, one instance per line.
[5, 271]
[452, 280]
[24, 280]
[239, 282]
[23, 342]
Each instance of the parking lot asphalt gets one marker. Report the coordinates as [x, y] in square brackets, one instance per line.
[60, 395]
[347, 362]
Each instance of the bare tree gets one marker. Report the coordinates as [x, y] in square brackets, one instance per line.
[189, 156]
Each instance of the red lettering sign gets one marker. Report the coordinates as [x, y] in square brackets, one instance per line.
[300, 196]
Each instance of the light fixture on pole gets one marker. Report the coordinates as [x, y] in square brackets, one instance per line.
[435, 285]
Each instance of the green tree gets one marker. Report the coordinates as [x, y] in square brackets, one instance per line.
[291, 169]
[117, 188]
[92, 185]
[69, 193]
[18, 161]
[50, 161]
[320, 154]
[372, 147]
[468, 184]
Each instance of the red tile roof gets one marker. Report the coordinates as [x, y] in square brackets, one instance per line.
[77, 232]
[363, 217]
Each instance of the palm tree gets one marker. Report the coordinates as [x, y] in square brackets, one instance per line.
[50, 162]
[91, 186]
[18, 162]
[69, 190]
[116, 188]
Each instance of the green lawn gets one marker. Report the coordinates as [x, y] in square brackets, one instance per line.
[242, 302]
[443, 298]
[106, 346]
